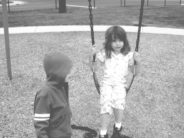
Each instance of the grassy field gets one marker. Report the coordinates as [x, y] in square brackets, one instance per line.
[154, 106]
[30, 4]
[170, 16]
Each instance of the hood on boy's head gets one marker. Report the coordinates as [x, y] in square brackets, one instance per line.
[57, 66]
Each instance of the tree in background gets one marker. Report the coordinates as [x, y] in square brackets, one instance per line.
[62, 6]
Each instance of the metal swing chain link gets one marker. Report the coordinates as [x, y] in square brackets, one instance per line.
[91, 26]
[138, 39]
[93, 44]
[91, 22]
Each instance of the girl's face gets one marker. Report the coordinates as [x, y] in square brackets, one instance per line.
[117, 45]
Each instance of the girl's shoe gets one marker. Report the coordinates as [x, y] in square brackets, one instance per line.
[106, 136]
[117, 133]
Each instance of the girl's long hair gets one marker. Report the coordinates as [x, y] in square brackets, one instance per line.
[113, 33]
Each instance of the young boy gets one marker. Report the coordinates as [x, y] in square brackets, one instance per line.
[52, 114]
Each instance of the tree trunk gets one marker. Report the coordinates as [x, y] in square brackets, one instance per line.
[62, 6]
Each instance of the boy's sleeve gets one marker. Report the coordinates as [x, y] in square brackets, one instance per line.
[41, 115]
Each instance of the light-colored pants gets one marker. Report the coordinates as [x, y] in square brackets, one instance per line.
[112, 96]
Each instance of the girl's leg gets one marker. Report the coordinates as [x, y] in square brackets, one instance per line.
[119, 94]
[106, 109]
[118, 114]
[105, 119]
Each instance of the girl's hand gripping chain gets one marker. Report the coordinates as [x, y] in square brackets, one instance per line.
[134, 64]
[134, 68]
[93, 65]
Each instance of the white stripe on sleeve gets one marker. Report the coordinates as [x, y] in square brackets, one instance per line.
[41, 119]
[42, 115]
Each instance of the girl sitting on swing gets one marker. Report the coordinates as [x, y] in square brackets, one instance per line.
[118, 62]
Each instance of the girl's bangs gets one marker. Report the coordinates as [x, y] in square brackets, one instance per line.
[117, 35]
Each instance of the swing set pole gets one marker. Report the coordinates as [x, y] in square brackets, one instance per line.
[121, 3]
[147, 3]
[124, 3]
[56, 4]
[8, 5]
[6, 35]
[165, 3]
[94, 3]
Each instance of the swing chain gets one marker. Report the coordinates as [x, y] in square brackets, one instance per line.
[91, 22]
[93, 44]
[138, 39]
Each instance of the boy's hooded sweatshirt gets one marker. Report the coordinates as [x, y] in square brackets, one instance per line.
[52, 114]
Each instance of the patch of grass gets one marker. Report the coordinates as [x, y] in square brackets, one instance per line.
[170, 16]
[154, 106]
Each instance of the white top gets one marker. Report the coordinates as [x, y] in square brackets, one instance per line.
[116, 67]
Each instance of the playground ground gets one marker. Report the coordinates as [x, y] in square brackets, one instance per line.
[154, 105]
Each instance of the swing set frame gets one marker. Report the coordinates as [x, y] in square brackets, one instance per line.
[6, 36]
